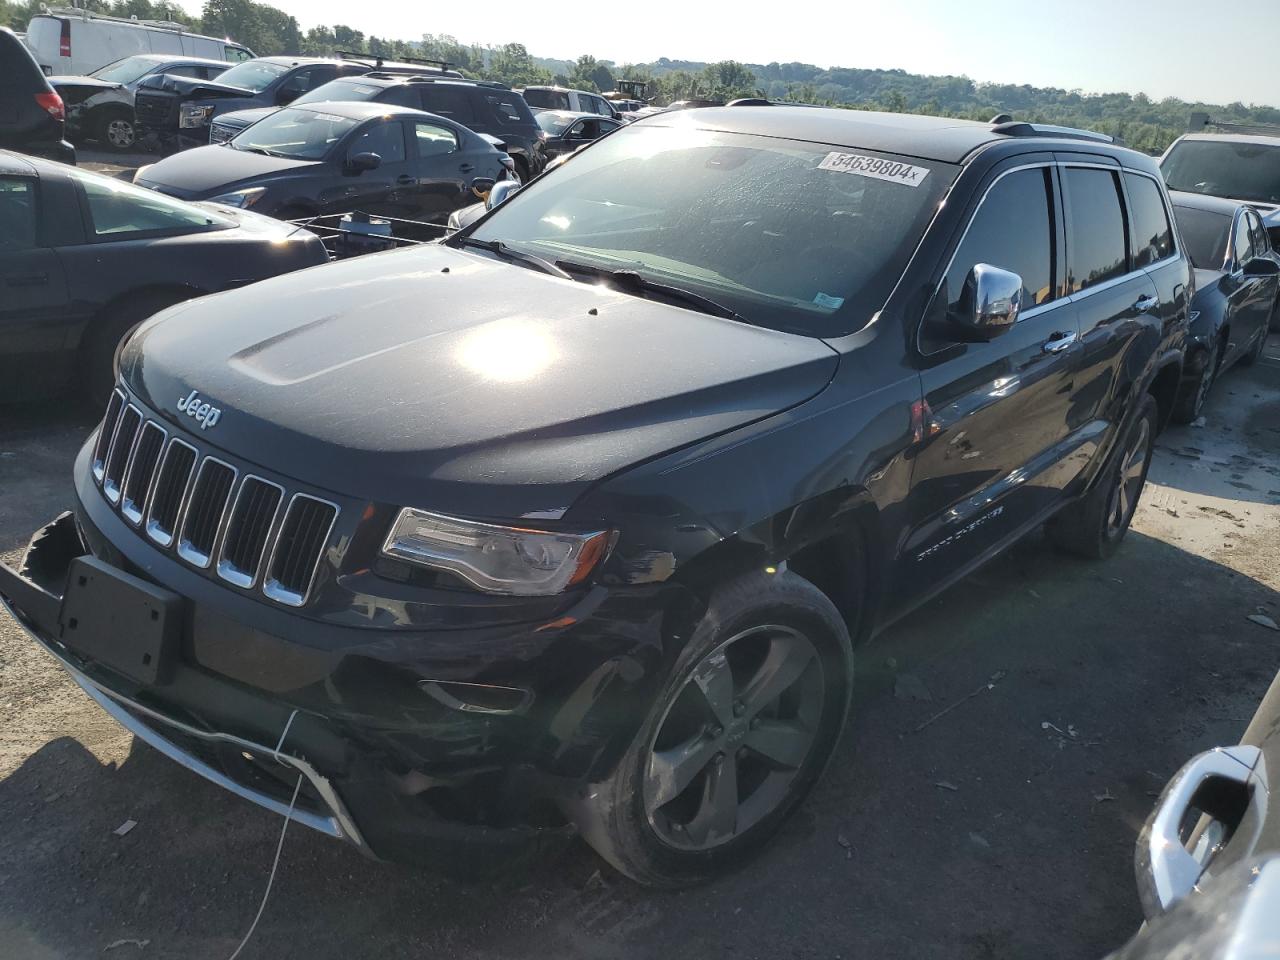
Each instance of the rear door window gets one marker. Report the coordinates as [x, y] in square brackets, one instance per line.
[1152, 234]
[385, 138]
[1096, 247]
[434, 140]
[17, 213]
[451, 102]
[1013, 229]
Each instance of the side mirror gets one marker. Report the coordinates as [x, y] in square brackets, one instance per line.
[361, 162]
[990, 303]
[500, 192]
[287, 94]
[1261, 267]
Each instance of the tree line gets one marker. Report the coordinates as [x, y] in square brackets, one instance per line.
[1139, 121]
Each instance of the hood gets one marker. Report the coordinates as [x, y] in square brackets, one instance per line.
[243, 118]
[210, 170]
[88, 83]
[189, 88]
[484, 389]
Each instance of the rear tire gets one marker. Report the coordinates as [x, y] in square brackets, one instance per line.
[104, 339]
[1094, 526]
[755, 705]
[1192, 398]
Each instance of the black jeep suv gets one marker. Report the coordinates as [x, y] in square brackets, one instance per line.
[484, 106]
[582, 513]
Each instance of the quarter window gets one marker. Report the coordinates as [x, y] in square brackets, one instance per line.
[17, 214]
[1152, 235]
[1012, 230]
[1261, 243]
[1243, 240]
[1096, 238]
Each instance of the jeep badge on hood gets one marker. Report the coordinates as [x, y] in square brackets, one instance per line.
[203, 412]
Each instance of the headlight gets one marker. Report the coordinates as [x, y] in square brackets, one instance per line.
[194, 115]
[510, 560]
[240, 198]
[141, 171]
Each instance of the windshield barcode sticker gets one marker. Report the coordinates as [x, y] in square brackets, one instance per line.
[892, 170]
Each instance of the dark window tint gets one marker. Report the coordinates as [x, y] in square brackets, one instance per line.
[309, 79]
[385, 138]
[1096, 239]
[17, 214]
[1152, 235]
[1012, 230]
[1261, 243]
[1205, 234]
[547, 99]
[187, 70]
[509, 108]
[451, 102]
[1225, 168]
[1243, 244]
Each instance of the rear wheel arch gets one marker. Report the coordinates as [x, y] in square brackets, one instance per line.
[1163, 388]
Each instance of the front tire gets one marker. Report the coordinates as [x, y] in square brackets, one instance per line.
[742, 730]
[1094, 526]
[104, 339]
[1192, 399]
[116, 131]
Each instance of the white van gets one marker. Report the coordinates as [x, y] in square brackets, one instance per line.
[77, 42]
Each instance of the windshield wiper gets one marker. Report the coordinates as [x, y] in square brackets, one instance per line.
[510, 253]
[628, 281]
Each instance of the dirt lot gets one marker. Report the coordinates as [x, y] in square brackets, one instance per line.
[1003, 829]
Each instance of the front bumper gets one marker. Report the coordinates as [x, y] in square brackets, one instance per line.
[446, 787]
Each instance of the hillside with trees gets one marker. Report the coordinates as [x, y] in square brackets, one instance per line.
[1143, 123]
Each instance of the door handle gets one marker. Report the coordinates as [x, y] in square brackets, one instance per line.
[467, 167]
[1167, 870]
[1145, 303]
[405, 180]
[28, 280]
[1059, 342]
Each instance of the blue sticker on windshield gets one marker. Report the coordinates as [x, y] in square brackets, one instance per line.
[830, 303]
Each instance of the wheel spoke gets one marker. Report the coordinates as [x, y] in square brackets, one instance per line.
[717, 816]
[1122, 505]
[1134, 470]
[715, 679]
[783, 666]
[671, 771]
[782, 743]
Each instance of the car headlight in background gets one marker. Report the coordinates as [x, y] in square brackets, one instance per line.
[496, 559]
[194, 115]
[240, 198]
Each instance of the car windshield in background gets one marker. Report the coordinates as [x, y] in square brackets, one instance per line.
[255, 75]
[335, 90]
[791, 235]
[1204, 232]
[124, 71]
[298, 134]
[555, 123]
[547, 99]
[1225, 168]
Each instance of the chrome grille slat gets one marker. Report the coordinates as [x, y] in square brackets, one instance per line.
[198, 505]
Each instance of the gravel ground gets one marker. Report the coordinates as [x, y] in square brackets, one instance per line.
[1003, 829]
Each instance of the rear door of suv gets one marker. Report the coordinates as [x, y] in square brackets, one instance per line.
[1115, 297]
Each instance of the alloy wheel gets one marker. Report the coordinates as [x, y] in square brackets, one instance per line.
[734, 738]
[120, 134]
[1124, 497]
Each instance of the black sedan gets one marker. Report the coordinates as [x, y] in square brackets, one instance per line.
[85, 258]
[1237, 287]
[567, 131]
[327, 158]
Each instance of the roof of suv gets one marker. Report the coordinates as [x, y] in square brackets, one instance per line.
[400, 77]
[933, 138]
[357, 109]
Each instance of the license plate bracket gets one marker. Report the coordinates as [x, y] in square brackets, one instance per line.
[120, 621]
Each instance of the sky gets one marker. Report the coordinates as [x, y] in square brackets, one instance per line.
[1185, 48]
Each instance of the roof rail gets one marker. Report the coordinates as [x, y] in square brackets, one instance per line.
[378, 62]
[1016, 128]
[1199, 121]
[434, 78]
[83, 13]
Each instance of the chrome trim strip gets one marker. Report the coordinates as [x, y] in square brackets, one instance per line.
[273, 589]
[185, 550]
[228, 571]
[128, 509]
[159, 535]
[338, 824]
[99, 463]
[109, 490]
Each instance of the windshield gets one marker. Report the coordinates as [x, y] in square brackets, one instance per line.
[547, 99]
[1204, 232]
[798, 236]
[300, 134]
[348, 89]
[117, 208]
[1225, 168]
[124, 71]
[255, 75]
[554, 123]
